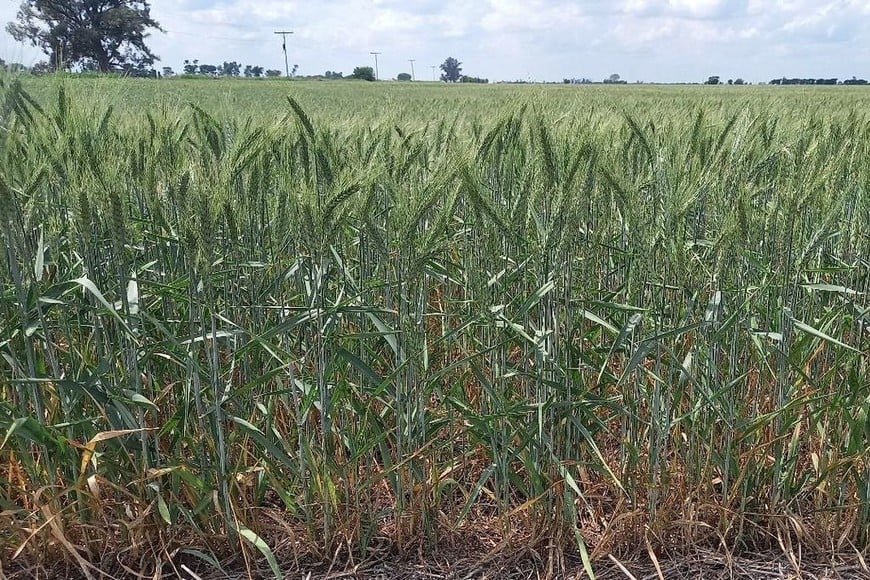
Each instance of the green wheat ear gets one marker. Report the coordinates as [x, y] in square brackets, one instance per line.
[6, 202]
[385, 322]
[84, 215]
[232, 226]
[117, 221]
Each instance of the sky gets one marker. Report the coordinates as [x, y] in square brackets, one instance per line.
[531, 40]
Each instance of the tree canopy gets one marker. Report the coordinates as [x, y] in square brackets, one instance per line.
[106, 35]
[452, 70]
[365, 73]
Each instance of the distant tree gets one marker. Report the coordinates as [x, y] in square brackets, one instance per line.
[208, 70]
[739, 82]
[294, 70]
[13, 67]
[403, 77]
[249, 71]
[191, 68]
[108, 33]
[230, 69]
[168, 72]
[714, 80]
[333, 75]
[614, 78]
[257, 71]
[363, 73]
[138, 71]
[272, 73]
[473, 80]
[730, 81]
[452, 70]
[41, 68]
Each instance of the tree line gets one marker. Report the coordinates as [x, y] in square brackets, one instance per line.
[786, 81]
[227, 69]
[451, 73]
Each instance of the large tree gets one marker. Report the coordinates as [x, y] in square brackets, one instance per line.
[103, 34]
[452, 70]
[364, 73]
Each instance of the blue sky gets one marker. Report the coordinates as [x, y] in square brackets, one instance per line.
[648, 40]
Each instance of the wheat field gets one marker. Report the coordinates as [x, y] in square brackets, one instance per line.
[328, 322]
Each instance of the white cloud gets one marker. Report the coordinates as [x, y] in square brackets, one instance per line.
[505, 16]
[669, 40]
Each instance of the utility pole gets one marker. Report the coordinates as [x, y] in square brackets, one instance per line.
[377, 73]
[284, 34]
[434, 68]
[413, 75]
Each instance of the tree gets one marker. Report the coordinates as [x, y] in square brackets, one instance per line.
[13, 67]
[191, 68]
[363, 73]
[272, 73]
[739, 82]
[208, 70]
[107, 34]
[230, 69]
[712, 81]
[452, 70]
[168, 72]
[403, 77]
[473, 80]
[41, 68]
[333, 75]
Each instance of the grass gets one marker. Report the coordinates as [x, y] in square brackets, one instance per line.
[405, 319]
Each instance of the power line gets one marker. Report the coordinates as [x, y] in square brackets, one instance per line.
[284, 34]
[210, 37]
[377, 72]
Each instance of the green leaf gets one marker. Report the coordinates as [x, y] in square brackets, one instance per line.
[819, 334]
[592, 317]
[139, 399]
[475, 491]
[260, 438]
[389, 334]
[85, 283]
[264, 548]
[39, 263]
[362, 367]
[831, 288]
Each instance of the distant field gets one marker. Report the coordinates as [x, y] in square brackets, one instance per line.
[424, 321]
[361, 102]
